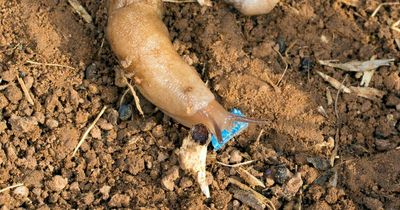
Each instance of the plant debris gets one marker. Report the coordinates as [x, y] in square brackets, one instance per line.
[249, 178]
[80, 10]
[358, 66]
[336, 84]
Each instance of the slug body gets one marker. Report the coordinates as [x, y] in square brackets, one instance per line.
[141, 42]
[253, 7]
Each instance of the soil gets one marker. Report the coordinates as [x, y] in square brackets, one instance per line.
[133, 163]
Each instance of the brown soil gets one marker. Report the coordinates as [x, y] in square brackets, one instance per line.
[123, 163]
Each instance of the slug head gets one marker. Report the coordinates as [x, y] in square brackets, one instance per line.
[217, 119]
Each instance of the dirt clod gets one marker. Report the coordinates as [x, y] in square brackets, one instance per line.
[168, 180]
[58, 183]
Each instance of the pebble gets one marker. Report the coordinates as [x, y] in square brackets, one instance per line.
[8, 76]
[58, 183]
[91, 71]
[104, 125]
[282, 174]
[168, 181]
[235, 156]
[119, 200]
[21, 191]
[269, 182]
[96, 132]
[88, 198]
[14, 94]
[51, 123]
[105, 191]
[185, 182]
[125, 112]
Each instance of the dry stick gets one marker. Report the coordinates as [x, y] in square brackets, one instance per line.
[25, 90]
[80, 10]
[136, 98]
[286, 67]
[49, 64]
[383, 4]
[335, 150]
[337, 96]
[88, 130]
[123, 97]
[235, 165]
[259, 136]
[258, 196]
[11, 187]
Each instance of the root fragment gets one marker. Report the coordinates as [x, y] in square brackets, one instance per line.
[11, 187]
[88, 130]
[25, 90]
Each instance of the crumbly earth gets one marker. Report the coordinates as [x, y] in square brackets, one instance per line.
[123, 163]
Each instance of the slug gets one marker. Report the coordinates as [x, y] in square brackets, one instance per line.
[253, 7]
[140, 40]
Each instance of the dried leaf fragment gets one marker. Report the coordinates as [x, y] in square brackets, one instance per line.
[368, 92]
[248, 199]
[358, 66]
[80, 10]
[249, 178]
[336, 84]
[262, 199]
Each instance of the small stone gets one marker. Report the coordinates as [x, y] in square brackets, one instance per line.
[58, 183]
[96, 132]
[21, 192]
[28, 80]
[235, 157]
[104, 125]
[125, 112]
[235, 203]
[14, 94]
[148, 125]
[23, 125]
[185, 182]
[105, 191]
[293, 185]
[91, 71]
[51, 123]
[119, 200]
[81, 117]
[269, 182]
[282, 174]
[93, 89]
[8, 76]
[392, 100]
[168, 181]
[74, 187]
[88, 198]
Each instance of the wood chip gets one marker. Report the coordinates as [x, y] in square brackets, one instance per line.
[336, 84]
[249, 178]
[262, 199]
[25, 90]
[368, 92]
[81, 10]
[329, 96]
[358, 66]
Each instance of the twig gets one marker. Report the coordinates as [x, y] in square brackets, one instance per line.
[258, 196]
[337, 96]
[336, 148]
[123, 97]
[136, 98]
[289, 48]
[286, 67]
[80, 10]
[25, 90]
[49, 64]
[235, 165]
[381, 5]
[11, 187]
[88, 130]
[259, 136]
